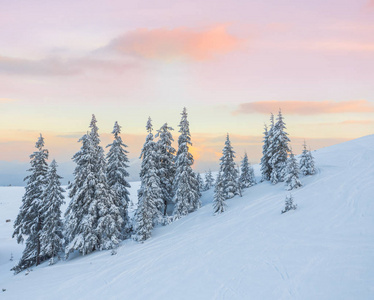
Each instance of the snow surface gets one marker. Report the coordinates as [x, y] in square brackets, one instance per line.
[322, 250]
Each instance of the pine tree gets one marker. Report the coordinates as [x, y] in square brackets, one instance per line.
[149, 194]
[52, 239]
[278, 151]
[209, 180]
[247, 177]
[307, 162]
[229, 173]
[166, 167]
[186, 196]
[93, 221]
[219, 205]
[116, 173]
[29, 221]
[200, 182]
[289, 204]
[292, 173]
[265, 164]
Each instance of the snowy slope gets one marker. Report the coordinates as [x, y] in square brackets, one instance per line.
[323, 250]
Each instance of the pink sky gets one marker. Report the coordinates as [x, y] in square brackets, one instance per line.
[229, 62]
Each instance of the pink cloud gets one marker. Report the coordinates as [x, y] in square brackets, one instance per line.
[169, 44]
[343, 46]
[57, 66]
[306, 107]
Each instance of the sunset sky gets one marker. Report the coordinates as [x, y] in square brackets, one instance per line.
[229, 62]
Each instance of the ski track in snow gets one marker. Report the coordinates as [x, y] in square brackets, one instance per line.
[322, 250]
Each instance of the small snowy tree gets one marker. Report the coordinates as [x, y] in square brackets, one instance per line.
[29, 221]
[247, 176]
[219, 205]
[307, 162]
[201, 183]
[289, 204]
[166, 167]
[187, 194]
[116, 173]
[229, 173]
[52, 239]
[209, 180]
[149, 194]
[292, 173]
[278, 151]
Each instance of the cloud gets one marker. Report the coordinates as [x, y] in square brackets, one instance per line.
[6, 100]
[306, 107]
[343, 46]
[57, 66]
[169, 44]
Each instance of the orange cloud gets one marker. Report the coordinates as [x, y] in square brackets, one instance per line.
[306, 107]
[170, 44]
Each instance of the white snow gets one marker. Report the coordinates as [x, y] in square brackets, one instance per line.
[322, 250]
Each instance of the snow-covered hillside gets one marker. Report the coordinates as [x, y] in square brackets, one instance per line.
[322, 250]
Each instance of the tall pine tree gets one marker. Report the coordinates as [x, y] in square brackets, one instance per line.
[278, 151]
[166, 167]
[93, 221]
[229, 173]
[265, 159]
[116, 173]
[149, 194]
[29, 221]
[187, 196]
[52, 239]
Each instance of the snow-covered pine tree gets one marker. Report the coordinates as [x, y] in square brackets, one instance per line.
[149, 194]
[200, 182]
[93, 221]
[265, 164]
[52, 239]
[219, 205]
[116, 173]
[229, 173]
[166, 167]
[186, 196]
[289, 204]
[307, 162]
[292, 173]
[29, 221]
[278, 150]
[209, 180]
[247, 176]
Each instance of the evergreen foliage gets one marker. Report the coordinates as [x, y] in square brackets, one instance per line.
[29, 221]
[93, 221]
[289, 204]
[292, 173]
[116, 173]
[229, 173]
[150, 193]
[219, 205]
[186, 196]
[247, 176]
[266, 151]
[52, 239]
[200, 182]
[166, 167]
[209, 180]
[278, 150]
[307, 162]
